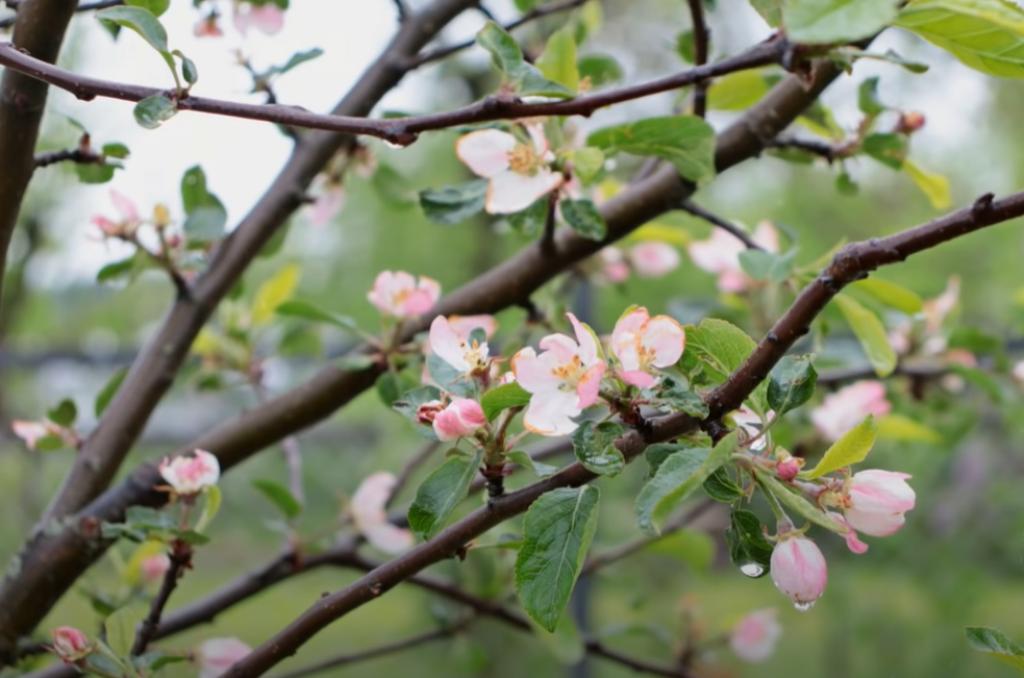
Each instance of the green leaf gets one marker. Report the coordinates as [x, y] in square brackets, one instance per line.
[796, 503]
[791, 383]
[64, 413]
[769, 266]
[601, 69]
[688, 142]
[870, 331]
[826, 21]
[280, 496]
[584, 218]
[749, 549]
[95, 173]
[409, 404]
[997, 644]
[737, 91]
[594, 446]
[685, 47]
[867, 97]
[206, 216]
[720, 348]
[211, 507]
[140, 20]
[189, 70]
[453, 204]
[507, 57]
[539, 469]
[119, 627]
[274, 291]
[770, 11]
[557, 532]
[558, 61]
[294, 60]
[677, 396]
[108, 391]
[157, 7]
[677, 477]
[299, 308]
[153, 111]
[888, 148]
[503, 397]
[899, 427]
[440, 493]
[851, 449]
[892, 295]
[587, 163]
[721, 487]
[987, 35]
[934, 186]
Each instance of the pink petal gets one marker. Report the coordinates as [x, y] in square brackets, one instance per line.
[589, 385]
[327, 206]
[550, 413]
[485, 151]
[124, 205]
[654, 259]
[532, 373]
[562, 348]
[638, 378]
[511, 192]
[447, 345]
[586, 338]
[666, 338]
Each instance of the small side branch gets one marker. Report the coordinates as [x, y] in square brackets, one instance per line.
[700, 55]
[181, 559]
[75, 155]
[712, 218]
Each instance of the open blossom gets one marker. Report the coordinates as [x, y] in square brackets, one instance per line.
[450, 341]
[128, 216]
[190, 474]
[461, 418]
[518, 172]
[70, 644]
[33, 431]
[847, 407]
[368, 510]
[754, 637]
[642, 344]
[720, 254]
[653, 259]
[402, 295]
[267, 18]
[154, 567]
[563, 379]
[217, 655]
[799, 570]
[876, 501]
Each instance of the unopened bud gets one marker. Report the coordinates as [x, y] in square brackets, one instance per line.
[788, 468]
[911, 121]
[428, 411]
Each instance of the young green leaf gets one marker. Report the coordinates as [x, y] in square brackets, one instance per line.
[594, 445]
[600, 69]
[791, 383]
[870, 331]
[891, 294]
[997, 644]
[867, 97]
[557, 532]
[280, 496]
[119, 627]
[827, 21]
[719, 347]
[851, 449]
[440, 493]
[770, 11]
[503, 397]
[688, 142]
[206, 215]
[153, 111]
[299, 308]
[558, 60]
[211, 507]
[677, 477]
[738, 91]
[749, 549]
[721, 487]
[274, 291]
[584, 218]
[64, 413]
[139, 19]
[539, 469]
[508, 59]
[934, 186]
[454, 204]
[108, 391]
[888, 148]
[899, 427]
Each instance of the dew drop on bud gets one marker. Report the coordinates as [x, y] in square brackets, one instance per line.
[803, 607]
[752, 569]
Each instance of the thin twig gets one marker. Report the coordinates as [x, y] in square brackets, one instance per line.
[75, 155]
[700, 55]
[727, 226]
[822, 148]
[180, 558]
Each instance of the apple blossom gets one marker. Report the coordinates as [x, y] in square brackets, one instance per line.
[788, 468]
[128, 220]
[847, 407]
[720, 254]
[450, 341]
[642, 343]
[754, 637]
[267, 18]
[799, 570]
[33, 431]
[154, 567]
[876, 501]
[461, 418]
[402, 295]
[563, 379]
[208, 27]
[328, 204]
[70, 644]
[614, 267]
[518, 172]
[369, 514]
[936, 310]
[653, 259]
[217, 655]
[190, 474]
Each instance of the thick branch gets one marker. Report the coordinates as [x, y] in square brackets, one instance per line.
[401, 131]
[853, 262]
[84, 7]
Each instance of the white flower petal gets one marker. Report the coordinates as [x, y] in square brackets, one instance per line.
[511, 192]
[486, 151]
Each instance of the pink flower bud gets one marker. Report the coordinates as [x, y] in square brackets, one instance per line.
[70, 644]
[753, 639]
[461, 418]
[217, 655]
[428, 411]
[799, 570]
[877, 500]
[190, 474]
[911, 121]
[154, 567]
[787, 468]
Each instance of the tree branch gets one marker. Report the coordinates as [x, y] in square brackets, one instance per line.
[83, 7]
[75, 155]
[715, 220]
[700, 54]
[401, 131]
[181, 559]
[853, 262]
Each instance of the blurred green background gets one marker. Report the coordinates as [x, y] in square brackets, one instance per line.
[897, 611]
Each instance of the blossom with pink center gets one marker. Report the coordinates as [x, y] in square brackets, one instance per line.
[754, 637]
[402, 295]
[461, 418]
[642, 344]
[128, 216]
[327, 204]
[563, 379]
[877, 500]
[518, 172]
[369, 514]
[191, 474]
[614, 266]
[847, 407]
[799, 570]
[450, 340]
[208, 27]
[70, 644]
[653, 259]
[720, 254]
[266, 18]
[217, 655]
[154, 567]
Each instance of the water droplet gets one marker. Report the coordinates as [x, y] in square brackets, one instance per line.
[753, 570]
[803, 607]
